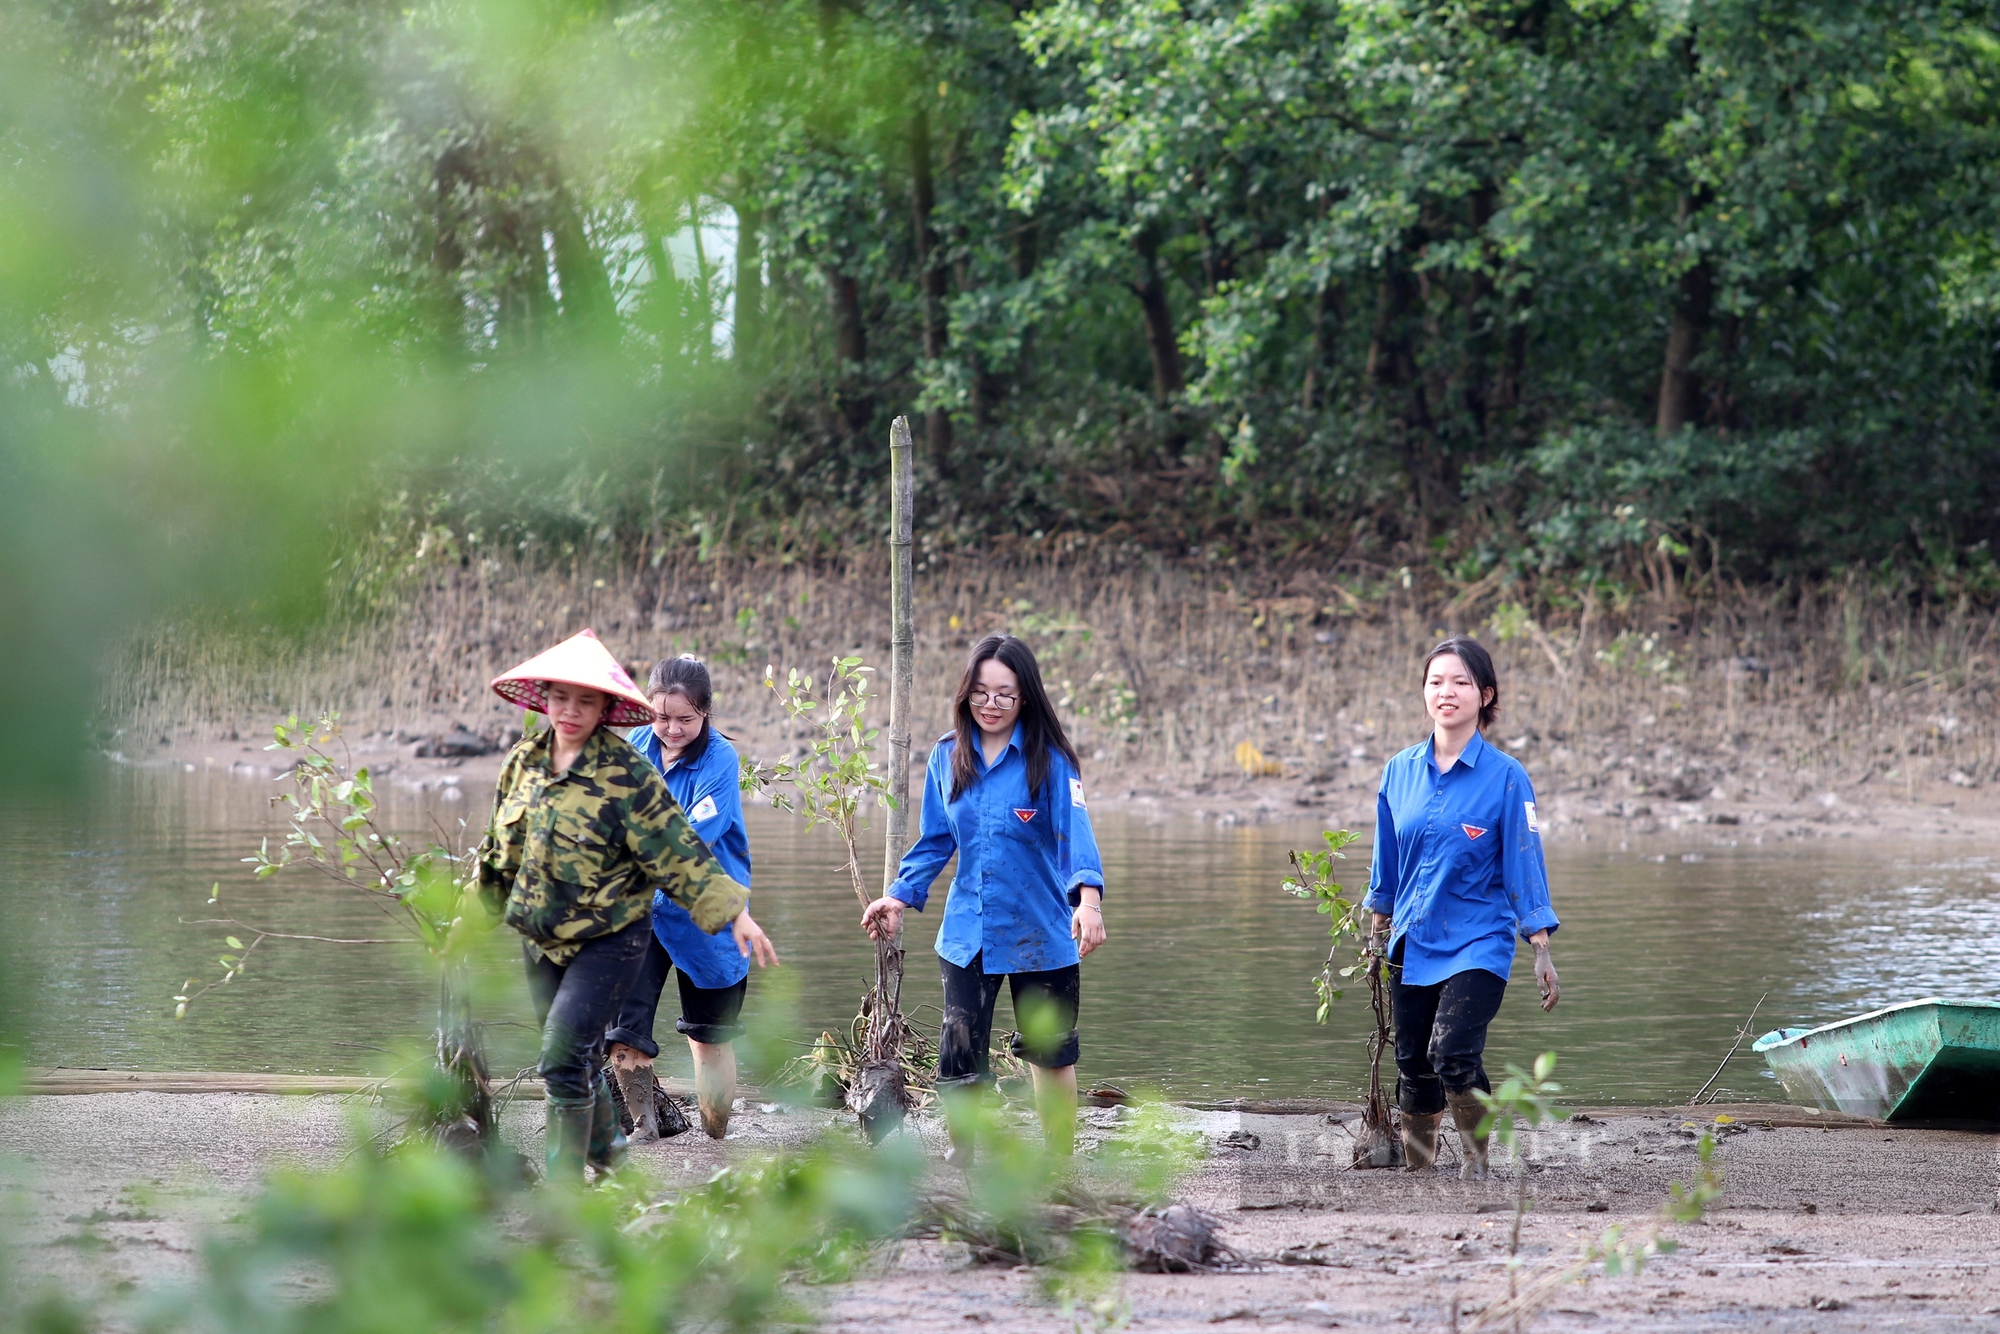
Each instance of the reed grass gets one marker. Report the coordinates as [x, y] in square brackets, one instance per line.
[1165, 668]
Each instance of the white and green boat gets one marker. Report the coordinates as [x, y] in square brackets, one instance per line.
[1924, 1060]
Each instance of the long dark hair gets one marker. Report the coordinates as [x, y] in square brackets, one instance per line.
[1478, 665]
[686, 676]
[1041, 730]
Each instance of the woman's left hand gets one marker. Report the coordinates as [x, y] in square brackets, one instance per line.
[1086, 926]
[1545, 973]
[751, 940]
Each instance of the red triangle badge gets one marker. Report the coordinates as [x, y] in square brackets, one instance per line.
[1472, 830]
[1026, 815]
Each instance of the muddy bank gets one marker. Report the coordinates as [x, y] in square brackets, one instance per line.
[1862, 1228]
[1576, 804]
[1191, 689]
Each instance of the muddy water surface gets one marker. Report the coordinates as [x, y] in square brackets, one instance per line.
[1204, 990]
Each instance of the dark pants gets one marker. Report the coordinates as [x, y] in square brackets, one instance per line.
[708, 1014]
[1441, 1035]
[574, 1001]
[1045, 1006]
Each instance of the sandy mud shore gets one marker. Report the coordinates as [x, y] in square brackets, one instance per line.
[1820, 1229]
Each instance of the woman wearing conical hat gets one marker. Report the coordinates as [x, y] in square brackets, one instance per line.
[583, 831]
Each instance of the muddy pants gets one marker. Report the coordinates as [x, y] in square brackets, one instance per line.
[1440, 1036]
[708, 1015]
[1045, 1006]
[576, 1000]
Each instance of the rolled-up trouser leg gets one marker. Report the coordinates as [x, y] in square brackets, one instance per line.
[633, 1023]
[575, 1002]
[1045, 1006]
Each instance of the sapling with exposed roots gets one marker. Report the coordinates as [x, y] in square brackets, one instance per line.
[333, 828]
[1354, 949]
[832, 784]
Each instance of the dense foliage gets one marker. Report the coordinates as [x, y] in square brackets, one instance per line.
[1659, 290]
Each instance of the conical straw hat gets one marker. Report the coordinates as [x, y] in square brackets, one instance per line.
[580, 660]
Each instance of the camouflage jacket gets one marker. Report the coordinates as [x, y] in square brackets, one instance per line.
[573, 857]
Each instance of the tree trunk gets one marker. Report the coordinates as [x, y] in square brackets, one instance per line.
[1396, 382]
[1328, 317]
[747, 330]
[1026, 255]
[931, 280]
[587, 303]
[1680, 387]
[1160, 340]
[1475, 379]
[850, 344]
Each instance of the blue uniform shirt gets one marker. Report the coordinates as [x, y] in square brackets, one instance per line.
[706, 787]
[1022, 860]
[1458, 862]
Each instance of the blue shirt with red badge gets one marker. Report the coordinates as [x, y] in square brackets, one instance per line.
[1458, 862]
[1023, 860]
[706, 785]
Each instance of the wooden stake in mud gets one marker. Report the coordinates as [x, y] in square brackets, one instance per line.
[880, 1095]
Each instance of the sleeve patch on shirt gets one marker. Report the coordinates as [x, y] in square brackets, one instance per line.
[1534, 825]
[1076, 792]
[703, 809]
[1024, 815]
[1472, 830]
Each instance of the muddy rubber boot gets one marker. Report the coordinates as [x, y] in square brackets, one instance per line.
[607, 1141]
[635, 1084]
[568, 1139]
[1466, 1114]
[1420, 1141]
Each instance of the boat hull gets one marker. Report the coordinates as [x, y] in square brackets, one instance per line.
[1926, 1060]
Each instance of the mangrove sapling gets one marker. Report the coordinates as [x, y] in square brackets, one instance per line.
[831, 784]
[1352, 939]
[333, 828]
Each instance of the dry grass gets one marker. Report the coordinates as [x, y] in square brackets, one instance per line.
[1165, 669]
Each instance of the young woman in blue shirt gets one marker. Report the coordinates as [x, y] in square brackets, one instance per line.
[1457, 874]
[700, 769]
[1004, 792]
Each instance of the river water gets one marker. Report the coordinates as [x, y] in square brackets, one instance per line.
[1204, 990]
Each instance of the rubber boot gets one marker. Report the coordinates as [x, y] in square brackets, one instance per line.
[1466, 1114]
[607, 1141]
[635, 1083]
[1420, 1141]
[568, 1139]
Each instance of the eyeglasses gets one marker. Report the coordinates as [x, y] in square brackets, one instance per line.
[981, 700]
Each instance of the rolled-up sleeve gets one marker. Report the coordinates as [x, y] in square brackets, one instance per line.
[674, 858]
[1080, 862]
[1523, 872]
[1384, 861]
[935, 841]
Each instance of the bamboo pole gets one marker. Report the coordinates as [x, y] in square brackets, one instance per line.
[880, 1096]
[902, 643]
[902, 678]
